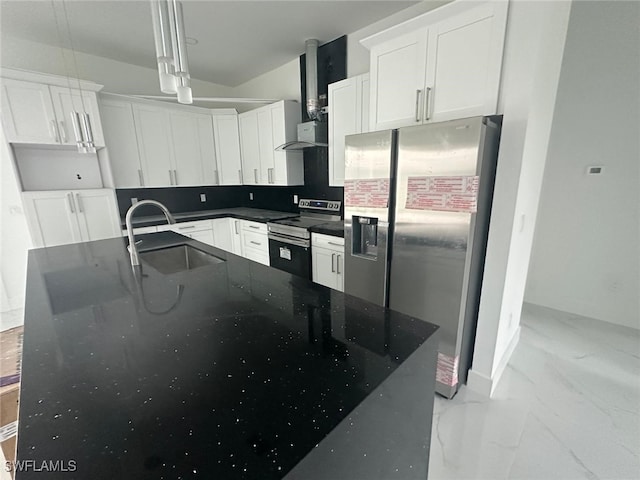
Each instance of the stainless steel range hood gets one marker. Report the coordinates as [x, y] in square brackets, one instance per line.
[310, 134]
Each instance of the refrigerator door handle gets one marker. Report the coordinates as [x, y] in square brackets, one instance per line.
[418, 94]
[338, 265]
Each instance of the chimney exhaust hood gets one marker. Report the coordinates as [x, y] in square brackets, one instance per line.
[310, 134]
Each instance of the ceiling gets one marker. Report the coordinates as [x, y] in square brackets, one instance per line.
[237, 40]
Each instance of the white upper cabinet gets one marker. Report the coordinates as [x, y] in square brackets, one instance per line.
[27, 112]
[261, 131]
[153, 131]
[122, 143]
[227, 145]
[250, 147]
[37, 108]
[66, 102]
[440, 66]
[194, 161]
[398, 69]
[348, 115]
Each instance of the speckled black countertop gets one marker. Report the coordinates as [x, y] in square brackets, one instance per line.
[233, 370]
[335, 229]
[253, 214]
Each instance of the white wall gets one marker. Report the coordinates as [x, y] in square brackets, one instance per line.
[117, 77]
[534, 46]
[586, 254]
[14, 234]
[280, 83]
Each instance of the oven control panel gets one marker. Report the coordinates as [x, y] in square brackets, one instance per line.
[326, 205]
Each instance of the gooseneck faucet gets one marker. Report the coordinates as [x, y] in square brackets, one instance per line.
[133, 250]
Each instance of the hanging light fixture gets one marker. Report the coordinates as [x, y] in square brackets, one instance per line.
[171, 49]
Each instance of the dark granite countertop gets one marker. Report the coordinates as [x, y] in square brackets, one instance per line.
[233, 370]
[242, 213]
[335, 229]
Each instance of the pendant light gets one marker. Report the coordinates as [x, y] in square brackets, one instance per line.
[171, 49]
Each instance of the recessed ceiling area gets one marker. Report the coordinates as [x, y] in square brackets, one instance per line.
[236, 40]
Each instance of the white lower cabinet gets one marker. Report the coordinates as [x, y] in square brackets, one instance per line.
[327, 260]
[255, 242]
[69, 216]
[201, 230]
[140, 230]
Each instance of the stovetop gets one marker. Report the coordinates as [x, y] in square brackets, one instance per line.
[302, 221]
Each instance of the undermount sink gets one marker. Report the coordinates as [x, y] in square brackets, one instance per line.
[178, 259]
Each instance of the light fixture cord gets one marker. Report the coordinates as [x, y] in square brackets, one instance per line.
[73, 54]
[64, 57]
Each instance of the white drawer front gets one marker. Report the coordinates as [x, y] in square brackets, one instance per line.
[188, 227]
[257, 255]
[254, 226]
[140, 230]
[255, 241]
[327, 241]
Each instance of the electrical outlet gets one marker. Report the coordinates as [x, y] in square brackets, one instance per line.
[250, 195]
[134, 200]
[203, 197]
[295, 199]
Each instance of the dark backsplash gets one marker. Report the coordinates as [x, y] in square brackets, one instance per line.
[332, 67]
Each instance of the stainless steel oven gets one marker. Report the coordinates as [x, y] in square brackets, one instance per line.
[290, 254]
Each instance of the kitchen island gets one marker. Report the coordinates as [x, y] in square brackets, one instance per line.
[231, 370]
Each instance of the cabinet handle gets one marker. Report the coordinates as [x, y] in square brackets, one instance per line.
[63, 132]
[418, 93]
[70, 198]
[187, 227]
[270, 174]
[79, 200]
[240, 176]
[141, 178]
[338, 265]
[427, 107]
[335, 244]
[255, 243]
[254, 227]
[236, 227]
[333, 256]
[54, 131]
[255, 174]
[171, 177]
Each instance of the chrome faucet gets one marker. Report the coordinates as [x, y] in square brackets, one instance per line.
[133, 250]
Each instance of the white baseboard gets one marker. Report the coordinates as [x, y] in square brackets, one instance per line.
[484, 385]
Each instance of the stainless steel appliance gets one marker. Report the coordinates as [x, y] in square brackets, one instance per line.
[290, 239]
[417, 205]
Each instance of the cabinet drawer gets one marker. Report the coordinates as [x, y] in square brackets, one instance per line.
[255, 241]
[255, 227]
[187, 227]
[256, 255]
[327, 241]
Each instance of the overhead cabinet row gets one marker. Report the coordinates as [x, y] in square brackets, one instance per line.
[155, 146]
[37, 113]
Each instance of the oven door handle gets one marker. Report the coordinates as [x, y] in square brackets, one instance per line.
[290, 241]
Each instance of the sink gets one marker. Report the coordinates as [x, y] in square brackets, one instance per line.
[178, 258]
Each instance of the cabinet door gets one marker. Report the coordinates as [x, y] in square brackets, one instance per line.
[323, 262]
[343, 120]
[154, 141]
[189, 147]
[98, 215]
[122, 144]
[204, 236]
[363, 99]
[250, 148]
[265, 141]
[27, 112]
[236, 236]
[465, 60]
[222, 234]
[66, 101]
[340, 271]
[52, 218]
[398, 69]
[227, 144]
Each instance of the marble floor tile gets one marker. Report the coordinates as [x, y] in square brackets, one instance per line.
[567, 407]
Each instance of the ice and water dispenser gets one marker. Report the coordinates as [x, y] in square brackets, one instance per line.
[365, 237]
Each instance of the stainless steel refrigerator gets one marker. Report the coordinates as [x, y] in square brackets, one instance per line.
[417, 205]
